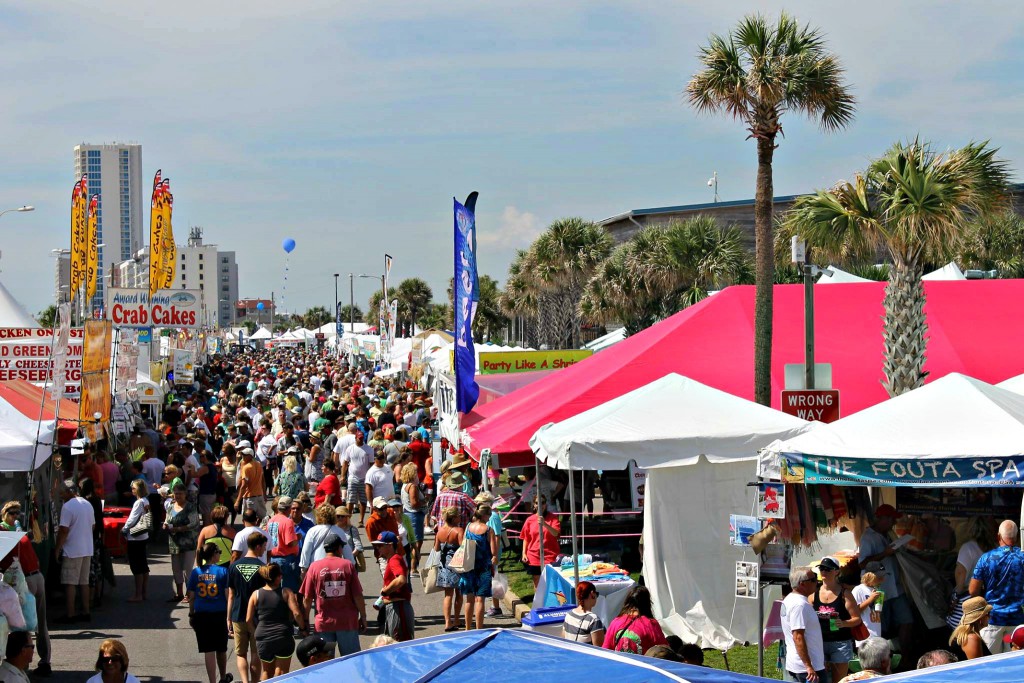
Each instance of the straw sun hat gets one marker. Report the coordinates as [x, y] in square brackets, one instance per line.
[975, 609]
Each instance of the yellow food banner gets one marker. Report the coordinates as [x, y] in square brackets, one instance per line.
[169, 249]
[78, 243]
[156, 236]
[498, 362]
[95, 377]
[92, 243]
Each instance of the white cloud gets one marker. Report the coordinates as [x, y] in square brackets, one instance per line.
[516, 229]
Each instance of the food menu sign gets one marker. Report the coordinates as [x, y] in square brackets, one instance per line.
[25, 354]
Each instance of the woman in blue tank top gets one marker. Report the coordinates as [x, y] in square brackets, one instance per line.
[475, 585]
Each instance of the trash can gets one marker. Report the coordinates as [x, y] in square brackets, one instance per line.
[547, 620]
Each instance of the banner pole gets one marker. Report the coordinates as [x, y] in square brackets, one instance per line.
[31, 471]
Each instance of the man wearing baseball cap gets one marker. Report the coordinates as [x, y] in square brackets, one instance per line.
[381, 519]
[396, 593]
[875, 546]
[1015, 639]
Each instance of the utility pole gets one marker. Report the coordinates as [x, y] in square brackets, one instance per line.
[352, 303]
[271, 315]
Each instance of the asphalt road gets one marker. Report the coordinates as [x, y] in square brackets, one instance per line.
[162, 646]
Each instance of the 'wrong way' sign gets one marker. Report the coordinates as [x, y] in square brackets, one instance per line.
[818, 405]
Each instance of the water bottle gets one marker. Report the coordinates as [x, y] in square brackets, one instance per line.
[378, 603]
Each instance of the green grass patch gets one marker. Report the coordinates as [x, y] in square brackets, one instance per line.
[742, 659]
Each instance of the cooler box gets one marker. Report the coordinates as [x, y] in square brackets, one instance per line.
[547, 620]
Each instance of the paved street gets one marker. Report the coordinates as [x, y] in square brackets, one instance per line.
[160, 643]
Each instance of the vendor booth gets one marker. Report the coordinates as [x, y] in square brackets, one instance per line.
[975, 327]
[942, 454]
[517, 655]
[700, 445]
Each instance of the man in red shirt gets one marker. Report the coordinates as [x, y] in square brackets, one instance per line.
[332, 585]
[284, 544]
[530, 536]
[381, 520]
[399, 619]
[420, 452]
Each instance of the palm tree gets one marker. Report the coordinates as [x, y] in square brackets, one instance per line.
[489, 317]
[917, 204]
[756, 74]
[519, 298]
[346, 313]
[548, 279]
[47, 317]
[315, 317]
[616, 294]
[416, 294]
[372, 313]
[662, 270]
[435, 317]
[993, 242]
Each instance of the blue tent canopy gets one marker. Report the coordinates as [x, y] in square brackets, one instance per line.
[516, 654]
[1008, 666]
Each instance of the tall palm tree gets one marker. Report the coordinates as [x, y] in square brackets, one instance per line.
[756, 74]
[519, 298]
[416, 294]
[373, 311]
[917, 204]
[552, 274]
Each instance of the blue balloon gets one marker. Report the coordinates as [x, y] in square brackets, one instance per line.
[259, 306]
[288, 245]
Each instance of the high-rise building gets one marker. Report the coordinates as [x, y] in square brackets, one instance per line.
[200, 267]
[62, 275]
[115, 174]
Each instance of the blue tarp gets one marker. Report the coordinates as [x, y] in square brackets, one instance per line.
[1006, 668]
[507, 655]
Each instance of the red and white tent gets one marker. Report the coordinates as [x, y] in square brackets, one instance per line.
[975, 327]
[24, 415]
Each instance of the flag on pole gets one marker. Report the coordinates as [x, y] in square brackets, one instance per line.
[78, 244]
[466, 390]
[382, 330]
[156, 235]
[387, 273]
[392, 320]
[169, 249]
[92, 240]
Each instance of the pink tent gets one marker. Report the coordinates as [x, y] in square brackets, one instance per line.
[976, 327]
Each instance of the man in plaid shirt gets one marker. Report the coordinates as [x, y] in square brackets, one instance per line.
[452, 496]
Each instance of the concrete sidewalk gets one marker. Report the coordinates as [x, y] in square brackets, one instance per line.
[161, 644]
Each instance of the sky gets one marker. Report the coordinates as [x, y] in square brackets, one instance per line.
[349, 126]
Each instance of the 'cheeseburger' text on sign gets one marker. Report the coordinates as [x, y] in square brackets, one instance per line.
[167, 308]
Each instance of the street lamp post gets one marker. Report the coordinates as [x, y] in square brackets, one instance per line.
[337, 306]
[20, 209]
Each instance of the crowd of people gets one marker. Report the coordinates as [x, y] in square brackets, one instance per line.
[826, 624]
[281, 477]
[319, 465]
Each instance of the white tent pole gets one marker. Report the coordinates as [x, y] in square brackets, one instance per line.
[572, 522]
[540, 521]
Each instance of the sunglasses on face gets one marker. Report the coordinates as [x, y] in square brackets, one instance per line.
[110, 659]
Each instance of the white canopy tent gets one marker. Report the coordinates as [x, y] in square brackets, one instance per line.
[12, 313]
[606, 340]
[700, 445]
[262, 333]
[950, 271]
[952, 417]
[837, 276]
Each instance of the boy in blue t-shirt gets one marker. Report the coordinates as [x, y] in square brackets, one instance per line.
[208, 608]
